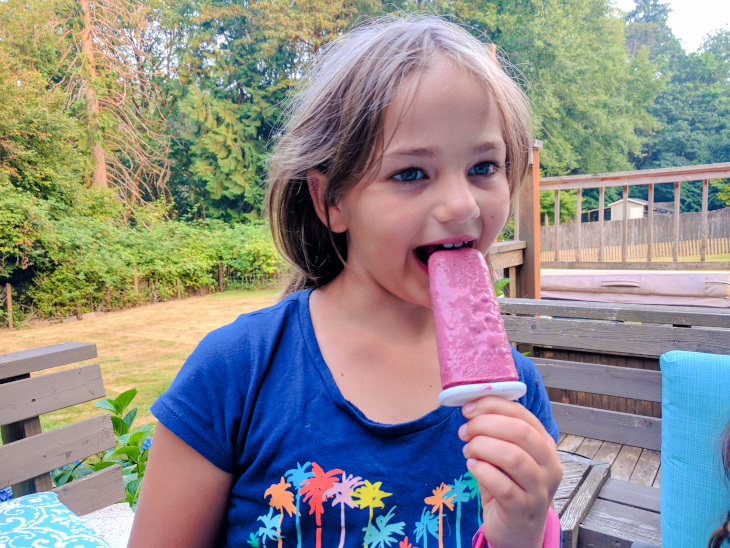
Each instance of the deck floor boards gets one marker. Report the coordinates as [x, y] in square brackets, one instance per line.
[642, 466]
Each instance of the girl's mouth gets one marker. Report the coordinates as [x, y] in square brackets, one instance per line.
[425, 251]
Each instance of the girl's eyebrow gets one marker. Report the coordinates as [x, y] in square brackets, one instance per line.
[428, 152]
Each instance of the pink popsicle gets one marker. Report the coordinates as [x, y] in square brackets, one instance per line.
[470, 336]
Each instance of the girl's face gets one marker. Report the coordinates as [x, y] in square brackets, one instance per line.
[442, 183]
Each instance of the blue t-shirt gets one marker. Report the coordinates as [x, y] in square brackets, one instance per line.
[257, 400]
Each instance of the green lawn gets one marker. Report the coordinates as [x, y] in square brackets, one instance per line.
[140, 348]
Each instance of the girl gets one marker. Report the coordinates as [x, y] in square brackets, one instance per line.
[316, 421]
[722, 533]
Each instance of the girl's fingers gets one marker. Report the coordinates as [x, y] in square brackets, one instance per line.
[513, 430]
[492, 405]
[514, 463]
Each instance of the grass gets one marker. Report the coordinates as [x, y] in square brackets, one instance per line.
[140, 348]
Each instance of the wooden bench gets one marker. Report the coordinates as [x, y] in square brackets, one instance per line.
[600, 363]
[28, 454]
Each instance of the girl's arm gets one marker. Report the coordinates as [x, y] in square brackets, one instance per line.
[183, 497]
[516, 465]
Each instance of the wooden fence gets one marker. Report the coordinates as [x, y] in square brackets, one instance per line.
[690, 239]
[659, 229]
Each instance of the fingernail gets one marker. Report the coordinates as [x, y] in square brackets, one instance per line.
[462, 432]
[469, 407]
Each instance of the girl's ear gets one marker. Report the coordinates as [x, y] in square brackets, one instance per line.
[317, 184]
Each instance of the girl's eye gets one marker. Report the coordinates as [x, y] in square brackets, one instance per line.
[483, 168]
[409, 175]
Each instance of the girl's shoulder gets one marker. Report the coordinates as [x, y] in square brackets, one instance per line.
[260, 328]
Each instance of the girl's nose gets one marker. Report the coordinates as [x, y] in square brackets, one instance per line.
[456, 202]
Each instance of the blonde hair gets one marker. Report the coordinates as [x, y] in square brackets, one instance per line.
[335, 124]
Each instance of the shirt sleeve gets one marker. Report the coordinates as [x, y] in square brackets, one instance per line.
[204, 403]
[536, 399]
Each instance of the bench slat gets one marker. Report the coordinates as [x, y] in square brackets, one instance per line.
[623, 312]
[578, 508]
[45, 357]
[612, 426]
[614, 338]
[624, 382]
[24, 459]
[633, 494]
[94, 491]
[609, 524]
[28, 398]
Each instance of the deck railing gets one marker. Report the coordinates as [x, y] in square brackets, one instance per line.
[519, 258]
[639, 255]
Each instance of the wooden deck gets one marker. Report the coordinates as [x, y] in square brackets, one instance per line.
[628, 463]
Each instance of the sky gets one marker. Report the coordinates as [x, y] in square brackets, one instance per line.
[692, 20]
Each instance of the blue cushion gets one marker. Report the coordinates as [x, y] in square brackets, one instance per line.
[695, 496]
[41, 519]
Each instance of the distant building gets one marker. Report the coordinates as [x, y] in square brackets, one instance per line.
[636, 210]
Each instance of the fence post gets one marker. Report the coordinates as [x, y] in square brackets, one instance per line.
[9, 303]
[703, 233]
[556, 213]
[650, 236]
[625, 225]
[136, 281]
[675, 247]
[529, 227]
[579, 223]
[220, 276]
[601, 204]
[179, 290]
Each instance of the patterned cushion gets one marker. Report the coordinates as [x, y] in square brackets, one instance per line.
[695, 497]
[41, 520]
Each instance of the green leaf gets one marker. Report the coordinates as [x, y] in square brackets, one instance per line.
[131, 452]
[64, 478]
[104, 464]
[124, 399]
[82, 471]
[106, 404]
[120, 427]
[129, 417]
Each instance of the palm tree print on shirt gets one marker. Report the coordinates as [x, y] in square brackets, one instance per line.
[381, 534]
[428, 524]
[282, 499]
[438, 500]
[314, 489]
[341, 493]
[268, 530]
[370, 496]
[297, 476]
[459, 488]
[312, 484]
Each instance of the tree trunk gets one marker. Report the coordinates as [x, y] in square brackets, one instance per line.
[99, 176]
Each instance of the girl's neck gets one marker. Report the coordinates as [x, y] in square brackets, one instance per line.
[380, 350]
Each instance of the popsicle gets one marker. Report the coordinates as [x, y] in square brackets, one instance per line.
[474, 354]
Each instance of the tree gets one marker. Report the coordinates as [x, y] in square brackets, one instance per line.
[244, 59]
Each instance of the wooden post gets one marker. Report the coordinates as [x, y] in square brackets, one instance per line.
[675, 247]
[9, 303]
[650, 235]
[556, 214]
[220, 276]
[179, 290]
[136, 281]
[625, 224]
[703, 234]
[529, 227]
[579, 224]
[601, 202]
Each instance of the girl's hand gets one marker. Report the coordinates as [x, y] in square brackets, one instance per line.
[515, 462]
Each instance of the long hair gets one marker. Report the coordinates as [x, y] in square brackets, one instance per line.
[722, 533]
[335, 125]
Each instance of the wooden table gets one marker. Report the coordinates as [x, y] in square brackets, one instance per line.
[582, 481]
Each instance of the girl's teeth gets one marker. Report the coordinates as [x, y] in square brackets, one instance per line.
[448, 246]
[453, 246]
[458, 245]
